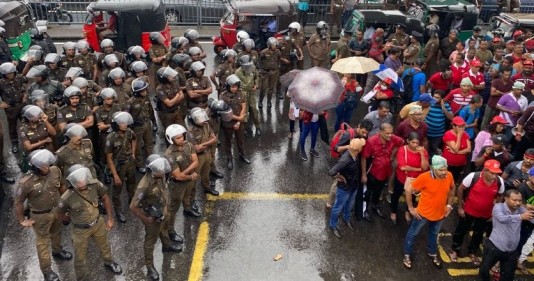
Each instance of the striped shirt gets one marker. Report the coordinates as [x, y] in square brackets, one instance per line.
[458, 100]
[436, 120]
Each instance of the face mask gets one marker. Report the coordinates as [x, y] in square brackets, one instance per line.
[383, 87]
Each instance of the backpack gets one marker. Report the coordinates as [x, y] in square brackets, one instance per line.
[337, 136]
[476, 176]
[407, 80]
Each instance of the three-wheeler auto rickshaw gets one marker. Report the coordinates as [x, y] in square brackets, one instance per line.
[18, 24]
[136, 19]
[261, 19]
[508, 23]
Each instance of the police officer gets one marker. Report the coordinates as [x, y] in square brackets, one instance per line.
[399, 39]
[120, 147]
[36, 132]
[14, 97]
[157, 52]
[183, 64]
[54, 89]
[5, 52]
[289, 52]
[183, 159]
[202, 137]
[250, 80]
[195, 53]
[116, 78]
[248, 50]
[319, 45]
[170, 98]
[134, 54]
[232, 126]
[270, 62]
[110, 62]
[107, 48]
[80, 205]
[224, 70]
[103, 116]
[90, 90]
[69, 52]
[74, 111]
[35, 57]
[192, 35]
[86, 60]
[77, 149]
[151, 205]
[52, 63]
[72, 73]
[138, 69]
[177, 47]
[144, 121]
[43, 188]
[241, 37]
[40, 99]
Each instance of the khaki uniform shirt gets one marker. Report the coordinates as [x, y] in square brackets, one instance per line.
[248, 80]
[151, 191]
[124, 92]
[286, 47]
[431, 48]
[399, 40]
[234, 101]
[68, 156]
[270, 59]
[180, 157]
[105, 115]
[121, 144]
[197, 135]
[222, 72]
[342, 49]
[169, 91]
[66, 62]
[42, 192]
[34, 135]
[195, 83]
[298, 39]
[158, 51]
[87, 63]
[52, 112]
[319, 48]
[413, 50]
[12, 91]
[57, 74]
[81, 211]
[140, 109]
[253, 55]
[69, 115]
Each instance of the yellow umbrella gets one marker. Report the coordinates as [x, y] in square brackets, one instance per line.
[358, 65]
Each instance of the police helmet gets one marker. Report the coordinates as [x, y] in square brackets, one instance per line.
[116, 73]
[52, 58]
[249, 44]
[156, 38]
[74, 130]
[272, 42]
[232, 80]
[38, 71]
[321, 25]
[198, 115]
[164, 73]
[242, 35]
[31, 113]
[138, 66]
[229, 53]
[191, 35]
[7, 68]
[197, 66]
[121, 118]
[2, 31]
[81, 45]
[111, 60]
[294, 25]
[173, 131]
[107, 93]
[80, 82]
[106, 43]
[182, 60]
[135, 51]
[35, 52]
[39, 98]
[138, 86]
[178, 42]
[74, 72]
[158, 164]
[78, 176]
[41, 158]
[71, 91]
[69, 45]
[194, 51]
[433, 30]
[36, 34]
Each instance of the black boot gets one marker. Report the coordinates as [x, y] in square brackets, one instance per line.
[152, 273]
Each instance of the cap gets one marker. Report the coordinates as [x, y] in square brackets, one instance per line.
[438, 162]
[458, 121]
[518, 85]
[529, 44]
[427, 98]
[417, 35]
[498, 120]
[476, 63]
[477, 28]
[529, 153]
[499, 139]
[388, 81]
[510, 42]
[466, 82]
[415, 109]
[493, 166]
[401, 26]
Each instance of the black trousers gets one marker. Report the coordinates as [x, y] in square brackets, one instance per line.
[491, 256]
[478, 225]
[374, 190]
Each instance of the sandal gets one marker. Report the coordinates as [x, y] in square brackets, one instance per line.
[435, 260]
[407, 262]
[453, 256]
[474, 259]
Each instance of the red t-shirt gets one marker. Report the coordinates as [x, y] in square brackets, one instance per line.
[457, 100]
[438, 83]
[476, 78]
[454, 159]
[407, 157]
[458, 72]
[381, 152]
[479, 201]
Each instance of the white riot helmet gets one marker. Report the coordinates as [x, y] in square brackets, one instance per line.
[106, 43]
[69, 45]
[173, 131]
[158, 164]
[249, 44]
[116, 73]
[7, 67]
[191, 35]
[294, 25]
[39, 98]
[242, 35]
[110, 60]
[198, 115]
[197, 66]
[229, 53]
[138, 66]
[75, 130]
[80, 82]
[123, 118]
[52, 58]
[272, 42]
[74, 72]
[79, 176]
[194, 51]
[82, 44]
[107, 93]
[41, 158]
[31, 113]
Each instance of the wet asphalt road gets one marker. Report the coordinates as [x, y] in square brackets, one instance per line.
[273, 206]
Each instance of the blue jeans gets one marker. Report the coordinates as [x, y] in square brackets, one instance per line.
[415, 228]
[312, 127]
[344, 202]
[343, 114]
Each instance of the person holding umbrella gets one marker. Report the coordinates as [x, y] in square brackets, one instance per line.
[348, 100]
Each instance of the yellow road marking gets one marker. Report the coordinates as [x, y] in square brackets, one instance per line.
[267, 196]
[197, 265]
[455, 272]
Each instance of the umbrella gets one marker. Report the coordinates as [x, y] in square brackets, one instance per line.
[385, 72]
[359, 65]
[286, 79]
[316, 89]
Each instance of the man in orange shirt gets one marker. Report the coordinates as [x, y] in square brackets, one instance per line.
[436, 188]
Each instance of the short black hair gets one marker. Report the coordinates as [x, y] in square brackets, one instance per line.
[384, 104]
[511, 191]
[366, 124]
[440, 92]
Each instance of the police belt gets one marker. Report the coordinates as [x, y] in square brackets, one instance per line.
[87, 225]
[42, 212]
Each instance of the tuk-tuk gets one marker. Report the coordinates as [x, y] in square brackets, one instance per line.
[447, 14]
[18, 20]
[509, 23]
[386, 19]
[135, 20]
[261, 19]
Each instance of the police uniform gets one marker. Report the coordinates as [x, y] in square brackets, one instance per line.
[254, 56]
[431, 51]
[413, 49]
[53, 88]
[156, 51]
[90, 98]
[299, 39]
[270, 63]
[234, 100]
[12, 92]
[174, 114]
[191, 45]
[180, 191]
[87, 62]
[150, 192]
[143, 116]
[399, 40]
[102, 65]
[67, 62]
[222, 72]
[170, 55]
[182, 79]
[197, 135]
[68, 115]
[247, 83]
[86, 223]
[35, 135]
[286, 48]
[43, 194]
[105, 115]
[57, 74]
[319, 50]
[120, 145]
[130, 79]
[68, 156]
[342, 49]
[123, 92]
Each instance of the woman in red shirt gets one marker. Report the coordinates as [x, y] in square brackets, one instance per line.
[412, 160]
[456, 147]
